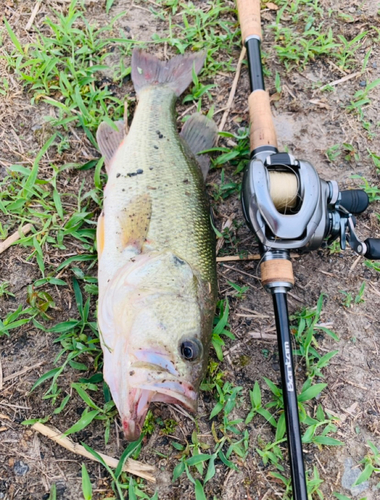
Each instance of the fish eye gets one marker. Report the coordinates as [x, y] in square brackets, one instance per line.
[191, 349]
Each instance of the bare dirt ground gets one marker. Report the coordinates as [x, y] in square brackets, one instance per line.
[308, 122]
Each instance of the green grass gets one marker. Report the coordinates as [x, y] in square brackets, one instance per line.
[65, 67]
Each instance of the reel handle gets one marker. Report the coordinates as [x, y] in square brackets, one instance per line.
[355, 201]
[373, 248]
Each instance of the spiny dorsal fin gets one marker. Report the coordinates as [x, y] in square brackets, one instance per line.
[109, 140]
[176, 74]
[200, 133]
[135, 220]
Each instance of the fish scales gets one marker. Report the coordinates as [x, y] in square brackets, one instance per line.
[156, 246]
[171, 177]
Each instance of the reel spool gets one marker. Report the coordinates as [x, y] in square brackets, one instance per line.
[288, 207]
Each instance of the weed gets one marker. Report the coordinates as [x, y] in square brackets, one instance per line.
[121, 482]
[198, 91]
[373, 265]
[372, 191]
[206, 28]
[221, 323]
[349, 298]
[345, 55]
[68, 62]
[351, 153]
[240, 291]
[238, 156]
[277, 82]
[361, 100]
[371, 465]
[307, 343]
[375, 158]
[86, 484]
[4, 289]
[333, 153]
[225, 189]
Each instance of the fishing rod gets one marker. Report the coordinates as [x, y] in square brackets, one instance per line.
[288, 207]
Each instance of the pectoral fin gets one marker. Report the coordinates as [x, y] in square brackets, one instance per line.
[134, 222]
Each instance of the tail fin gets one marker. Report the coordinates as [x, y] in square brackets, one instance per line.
[176, 74]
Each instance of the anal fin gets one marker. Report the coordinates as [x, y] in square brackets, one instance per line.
[100, 235]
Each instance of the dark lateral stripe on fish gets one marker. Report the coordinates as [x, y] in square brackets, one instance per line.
[176, 74]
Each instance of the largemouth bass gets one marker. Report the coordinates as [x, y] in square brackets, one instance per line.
[157, 276]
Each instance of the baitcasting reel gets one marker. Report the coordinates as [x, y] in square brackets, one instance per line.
[289, 207]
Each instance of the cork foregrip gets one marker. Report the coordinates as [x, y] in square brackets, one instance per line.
[249, 17]
[277, 270]
[262, 128]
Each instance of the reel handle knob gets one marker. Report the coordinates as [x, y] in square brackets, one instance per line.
[355, 201]
[373, 248]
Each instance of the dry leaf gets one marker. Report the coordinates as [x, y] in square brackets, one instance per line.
[272, 6]
[275, 97]
[320, 103]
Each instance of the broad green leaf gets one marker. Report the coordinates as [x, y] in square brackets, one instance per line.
[86, 398]
[33, 421]
[273, 387]
[211, 469]
[78, 296]
[33, 174]
[64, 326]
[227, 462]
[281, 427]
[307, 437]
[177, 446]
[311, 393]
[64, 402]
[109, 5]
[99, 459]
[327, 441]
[131, 490]
[366, 474]
[75, 258]
[13, 37]
[86, 484]
[83, 422]
[50, 374]
[126, 454]
[78, 366]
[320, 413]
[178, 470]
[58, 203]
[341, 497]
[256, 395]
[217, 409]
[199, 491]
[197, 459]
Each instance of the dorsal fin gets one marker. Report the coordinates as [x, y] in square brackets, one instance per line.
[200, 133]
[109, 139]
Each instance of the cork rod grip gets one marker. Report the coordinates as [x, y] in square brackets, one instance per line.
[277, 270]
[262, 128]
[249, 18]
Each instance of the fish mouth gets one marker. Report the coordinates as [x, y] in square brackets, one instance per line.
[156, 381]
